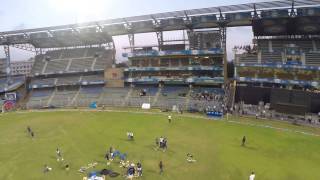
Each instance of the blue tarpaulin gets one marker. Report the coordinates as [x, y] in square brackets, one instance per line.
[93, 105]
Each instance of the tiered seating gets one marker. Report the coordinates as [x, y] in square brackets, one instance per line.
[272, 57]
[88, 95]
[206, 99]
[38, 64]
[91, 52]
[313, 59]
[82, 59]
[306, 46]
[81, 64]
[39, 98]
[63, 98]
[263, 45]
[171, 96]
[55, 66]
[113, 96]
[278, 46]
[3, 83]
[54, 54]
[73, 53]
[68, 80]
[317, 45]
[150, 91]
[249, 59]
[103, 60]
[137, 99]
[93, 78]
[174, 91]
[284, 74]
[49, 81]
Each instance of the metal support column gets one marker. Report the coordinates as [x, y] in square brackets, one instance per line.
[114, 51]
[223, 34]
[131, 41]
[160, 39]
[8, 69]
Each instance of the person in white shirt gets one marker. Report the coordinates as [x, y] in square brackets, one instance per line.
[169, 118]
[252, 176]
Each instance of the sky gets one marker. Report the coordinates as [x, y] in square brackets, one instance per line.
[22, 14]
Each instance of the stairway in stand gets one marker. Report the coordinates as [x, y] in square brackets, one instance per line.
[52, 96]
[155, 100]
[125, 101]
[188, 99]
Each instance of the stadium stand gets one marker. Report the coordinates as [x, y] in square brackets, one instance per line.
[62, 97]
[113, 96]
[56, 66]
[39, 98]
[248, 58]
[81, 64]
[73, 60]
[71, 80]
[313, 59]
[87, 95]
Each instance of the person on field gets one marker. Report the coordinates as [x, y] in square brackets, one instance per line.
[244, 139]
[157, 142]
[252, 176]
[131, 171]
[107, 157]
[32, 134]
[59, 155]
[190, 158]
[67, 167]
[164, 144]
[47, 169]
[29, 129]
[130, 135]
[169, 118]
[161, 167]
[139, 169]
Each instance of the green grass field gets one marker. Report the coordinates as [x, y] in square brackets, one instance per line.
[84, 137]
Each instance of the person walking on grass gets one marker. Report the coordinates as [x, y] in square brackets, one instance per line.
[244, 139]
[32, 134]
[29, 129]
[169, 118]
[139, 169]
[161, 167]
[59, 155]
[252, 176]
[46, 169]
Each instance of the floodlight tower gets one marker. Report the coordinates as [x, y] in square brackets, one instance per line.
[8, 69]
[130, 31]
[159, 32]
[222, 22]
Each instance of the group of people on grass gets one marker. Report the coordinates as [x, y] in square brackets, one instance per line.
[132, 169]
[66, 166]
[162, 143]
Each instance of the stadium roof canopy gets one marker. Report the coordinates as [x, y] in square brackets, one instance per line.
[100, 32]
